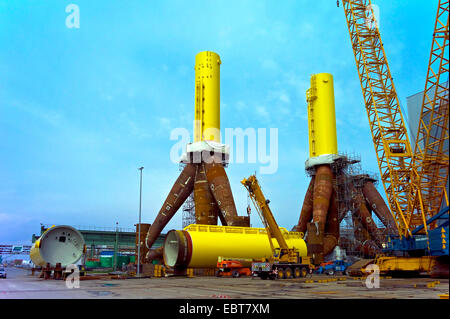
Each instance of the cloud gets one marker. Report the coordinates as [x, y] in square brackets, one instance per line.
[262, 112]
[48, 116]
[164, 121]
[285, 98]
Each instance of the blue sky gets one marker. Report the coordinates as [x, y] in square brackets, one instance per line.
[82, 109]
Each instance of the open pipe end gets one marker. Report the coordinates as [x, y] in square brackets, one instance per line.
[177, 249]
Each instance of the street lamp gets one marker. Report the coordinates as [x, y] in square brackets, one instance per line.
[139, 226]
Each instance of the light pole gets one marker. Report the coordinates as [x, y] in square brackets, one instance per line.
[139, 226]
[116, 247]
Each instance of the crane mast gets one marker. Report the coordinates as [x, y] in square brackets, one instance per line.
[262, 206]
[288, 262]
[387, 126]
[430, 161]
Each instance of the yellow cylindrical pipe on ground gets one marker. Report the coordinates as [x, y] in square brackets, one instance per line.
[207, 97]
[200, 246]
[58, 244]
[35, 256]
[321, 116]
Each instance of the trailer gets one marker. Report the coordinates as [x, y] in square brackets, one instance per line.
[282, 270]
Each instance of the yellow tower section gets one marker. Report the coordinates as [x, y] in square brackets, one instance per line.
[207, 97]
[321, 116]
[200, 246]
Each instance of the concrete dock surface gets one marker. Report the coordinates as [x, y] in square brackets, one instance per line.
[21, 285]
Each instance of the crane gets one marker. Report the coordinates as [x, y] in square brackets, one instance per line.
[430, 158]
[409, 179]
[264, 212]
[387, 126]
[284, 259]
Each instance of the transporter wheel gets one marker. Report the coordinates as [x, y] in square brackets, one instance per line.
[297, 272]
[288, 273]
[219, 273]
[304, 272]
[330, 272]
[280, 273]
[235, 273]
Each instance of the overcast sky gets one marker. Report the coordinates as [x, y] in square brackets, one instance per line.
[82, 109]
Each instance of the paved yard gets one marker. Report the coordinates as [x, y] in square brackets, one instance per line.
[20, 284]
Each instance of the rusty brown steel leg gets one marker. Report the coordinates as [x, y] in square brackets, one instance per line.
[307, 209]
[181, 189]
[221, 190]
[154, 253]
[242, 221]
[366, 219]
[221, 218]
[329, 242]
[323, 188]
[360, 233]
[363, 241]
[141, 241]
[332, 226]
[206, 210]
[379, 207]
[383, 232]
[314, 240]
[370, 249]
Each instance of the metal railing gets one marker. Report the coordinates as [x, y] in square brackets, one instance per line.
[97, 228]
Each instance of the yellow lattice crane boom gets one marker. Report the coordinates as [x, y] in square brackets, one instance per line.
[388, 128]
[288, 262]
[414, 182]
[431, 159]
[264, 212]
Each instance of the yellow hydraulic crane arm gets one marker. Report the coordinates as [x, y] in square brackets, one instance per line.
[262, 206]
[388, 128]
[430, 160]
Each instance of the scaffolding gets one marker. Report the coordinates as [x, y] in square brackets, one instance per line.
[188, 207]
[189, 211]
[348, 183]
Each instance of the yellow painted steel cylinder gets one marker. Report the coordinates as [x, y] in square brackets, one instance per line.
[321, 116]
[207, 97]
[200, 246]
[58, 244]
[35, 255]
